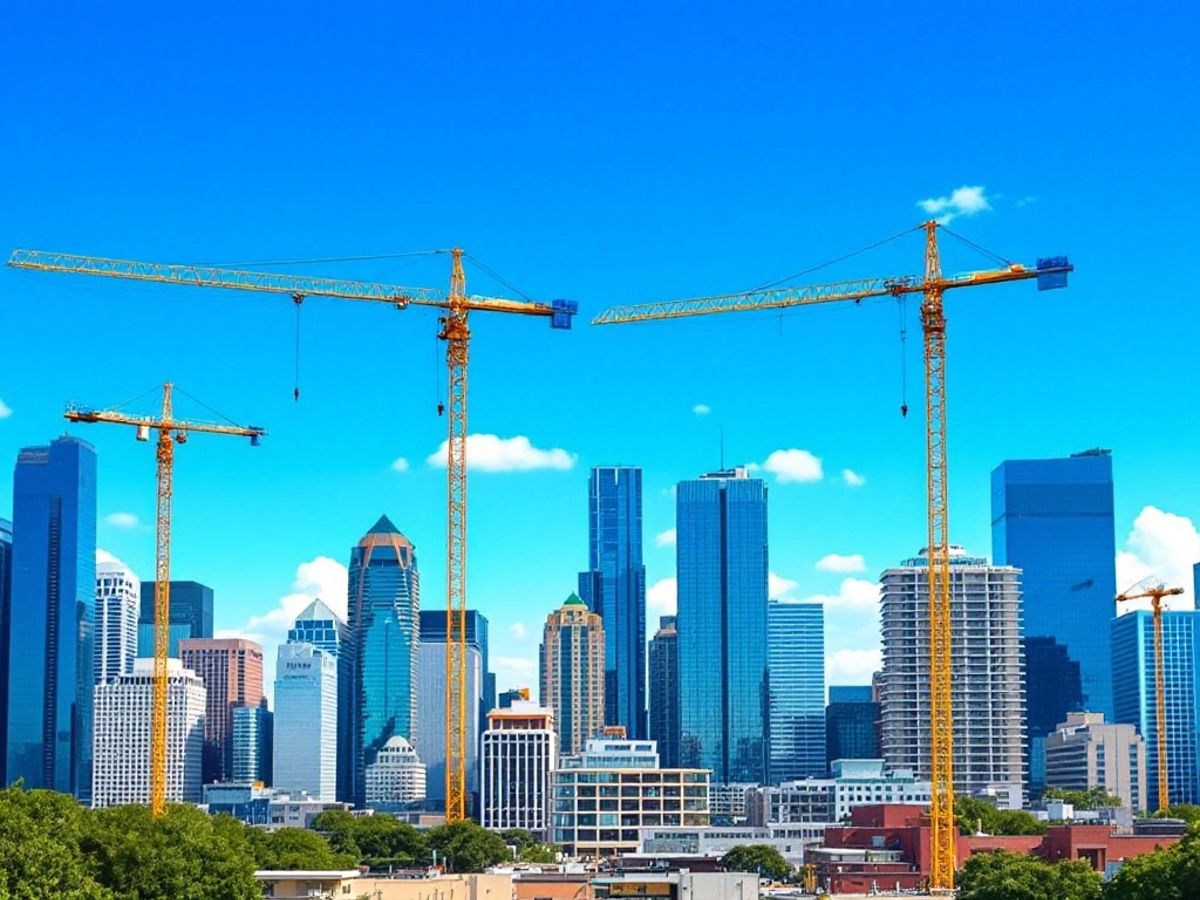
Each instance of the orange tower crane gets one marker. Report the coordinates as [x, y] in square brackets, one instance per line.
[171, 431]
[1050, 273]
[456, 306]
[1155, 594]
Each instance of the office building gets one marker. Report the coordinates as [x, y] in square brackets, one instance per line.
[615, 587]
[1134, 698]
[384, 598]
[252, 733]
[727, 803]
[721, 561]
[853, 783]
[518, 751]
[124, 708]
[397, 776]
[430, 743]
[324, 629]
[116, 621]
[306, 721]
[796, 673]
[988, 690]
[851, 723]
[5, 604]
[663, 714]
[1053, 520]
[191, 616]
[604, 795]
[232, 672]
[433, 630]
[50, 666]
[572, 669]
[514, 695]
[1085, 752]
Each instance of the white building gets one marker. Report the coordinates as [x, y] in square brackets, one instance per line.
[727, 802]
[988, 688]
[855, 782]
[397, 776]
[304, 754]
[715, 841]
[517, 753]
[430, 742]
[121, 736]
[118, 596]
[1084, 752]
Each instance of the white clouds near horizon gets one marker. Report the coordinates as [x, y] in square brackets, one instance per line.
[492, 453]
[1164, 545]
[962, 201]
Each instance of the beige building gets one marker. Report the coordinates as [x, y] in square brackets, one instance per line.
[572, 662]
[1084, 752]
[352, 885]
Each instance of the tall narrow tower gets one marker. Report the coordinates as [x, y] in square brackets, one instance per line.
[573, 673]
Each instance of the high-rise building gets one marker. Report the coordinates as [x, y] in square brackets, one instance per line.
[572, 667]
[615, 587]
[1134, 697]
[397, 776]
[1084, 752]
[324, 629]
[306, 721]
[511, 696]
[252, 733]
[191, 616]
[433, 630]
[116, 620]
[664, 690]
[721, 556]
[851, 723]
[232, 672]
[5, 604]
[1053, 520]
[987, 694]
[796, 671]
[518, 751]
[50, 666]
[431, 680]
[384, 598]
[122, 736]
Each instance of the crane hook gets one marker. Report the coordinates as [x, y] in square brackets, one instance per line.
[298, 300]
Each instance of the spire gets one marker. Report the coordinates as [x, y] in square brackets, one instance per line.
[318, 611]
[384, 526]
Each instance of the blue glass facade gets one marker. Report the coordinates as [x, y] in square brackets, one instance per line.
[663, 713]
[191, 616]
[383, 603]
[320, 626]
[1053, 519]
[615, 587]
[796, 675]
[433, 628]
[50, 674]
[5, 604]
[1133, 695]
[852, 724]
[721, 561]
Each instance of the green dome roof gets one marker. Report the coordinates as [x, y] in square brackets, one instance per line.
[574, 600]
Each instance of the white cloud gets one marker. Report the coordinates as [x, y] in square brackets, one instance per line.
[702, 409]
[121, 520]
[103, 556]
[852, 478]
[778, 587]
[1163, 545]
[517, 631]
[963, 201]
[836, 562]
[400, 464]
[662, 597]
[5, 410]
[516, 672]
[665, 538]
[320, 578]
[793, 465]
[492, 453]
[856, 594]
[852, 666]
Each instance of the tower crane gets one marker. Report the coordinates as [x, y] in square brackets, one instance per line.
[171, 431]
[1050, 273]
[456, 306]
[1155, 594]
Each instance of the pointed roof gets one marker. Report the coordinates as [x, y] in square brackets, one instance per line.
[574, 600]
[318, 611]
[384, 526]
[385, 534]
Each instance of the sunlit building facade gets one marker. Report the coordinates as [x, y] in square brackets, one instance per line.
[117, 593]
[796, 667]
[572, 668]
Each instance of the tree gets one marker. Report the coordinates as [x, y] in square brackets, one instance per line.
[538, 853]
[761, 858]
[297, 848]
[518, 837]
[1015, 876]
[971, 814]
[378, 841]
[1090, 799]
[1186, 811]
[467, 847]
[40, 853]
[1171, 874]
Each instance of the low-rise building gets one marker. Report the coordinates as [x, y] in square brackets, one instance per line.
[397, 776]
[351, 883]
[855, 782]
[715, 841]
[680, 885]
[252, 803]
[727, 803]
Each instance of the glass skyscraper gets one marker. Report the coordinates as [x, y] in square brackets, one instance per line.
[721, 560]
[433, 628]
[5, 604]
[50, 678]
[191, 616]
[321, 627]
[615, 587]
[852, 724]
[796, 674]
[383, 602]
[664, 691]
[1133, 695]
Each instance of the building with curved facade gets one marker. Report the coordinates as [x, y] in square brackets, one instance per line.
[396, 776]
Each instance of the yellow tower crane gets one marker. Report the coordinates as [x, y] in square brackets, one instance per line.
[1155, 595]
[456, 306]
[171, 431]
[1050, 273]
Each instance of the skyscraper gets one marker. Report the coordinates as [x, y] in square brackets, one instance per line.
[518, 751]
[251, 736]
[433, 630]
[384, 600]
[572, 664]
[615, 587]
[1134, 696]
[5, 604]
[50, 675]
[796, 669]
[306, 721]
[116, 620]
[320, 626]
[191, 616]
[664, 691]
[232, 672]
[721, 555]
[851, 723]
[1053, 519]
[987, 695]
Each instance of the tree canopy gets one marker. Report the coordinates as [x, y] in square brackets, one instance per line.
[761, 858]
[1171, 874]
[376, 841]
[467, 847]
[1016, 876]
[1092, 798]
[971, 814]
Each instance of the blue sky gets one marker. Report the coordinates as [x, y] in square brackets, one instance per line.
[612, 154]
